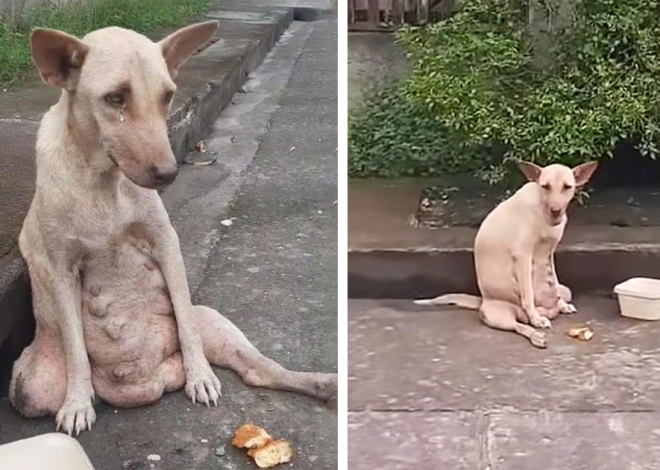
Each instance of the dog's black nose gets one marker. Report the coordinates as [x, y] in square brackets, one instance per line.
[164, 175]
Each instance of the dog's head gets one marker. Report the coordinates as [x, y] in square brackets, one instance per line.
[558, 184]
[120, 86]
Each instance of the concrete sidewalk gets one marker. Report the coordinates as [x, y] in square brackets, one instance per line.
[439, 390]
[272, 272]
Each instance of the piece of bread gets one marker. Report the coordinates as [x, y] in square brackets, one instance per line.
[251, 436]
[273, 453]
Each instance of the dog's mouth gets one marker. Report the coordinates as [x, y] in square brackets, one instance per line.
[112, 159]
[556, 219]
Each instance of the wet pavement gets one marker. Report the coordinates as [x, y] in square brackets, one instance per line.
[434, 388]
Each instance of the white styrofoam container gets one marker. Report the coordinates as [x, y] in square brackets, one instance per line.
[639, 297]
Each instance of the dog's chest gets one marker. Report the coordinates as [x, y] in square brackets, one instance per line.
[105, 227]
[545, 245]
[544, 249]
[123, 251]
[548, 238]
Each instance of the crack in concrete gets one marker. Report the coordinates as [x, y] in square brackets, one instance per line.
[19, 120]
[501, 410]
[483, 432]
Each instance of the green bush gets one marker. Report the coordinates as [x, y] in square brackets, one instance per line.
[80, 17]
[474, 78]
[393, 136]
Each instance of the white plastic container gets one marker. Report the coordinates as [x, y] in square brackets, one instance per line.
[639, 297]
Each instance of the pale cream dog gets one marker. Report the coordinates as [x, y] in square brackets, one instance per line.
[111, 299]
[514, 254]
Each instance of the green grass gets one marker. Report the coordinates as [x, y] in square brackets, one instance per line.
[79, 18]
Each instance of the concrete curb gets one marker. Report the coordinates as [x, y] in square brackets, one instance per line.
[15, 298]
[207, 84]
[409, 274]
[193, 118]
[388, 257]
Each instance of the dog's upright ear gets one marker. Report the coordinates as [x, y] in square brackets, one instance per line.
[58, 56]
[179, 46]
[584, 172]
[531, 171]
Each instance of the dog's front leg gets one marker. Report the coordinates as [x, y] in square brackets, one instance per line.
[202, 385]
[522, 264]
[77, 412]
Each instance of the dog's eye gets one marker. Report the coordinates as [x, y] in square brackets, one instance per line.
[115, 98]
[167, 97]
[567, 187]
[546, 186]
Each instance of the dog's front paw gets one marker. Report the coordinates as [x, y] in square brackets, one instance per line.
[203, 386]
[539, 321]
[76, 414]
[566, 307]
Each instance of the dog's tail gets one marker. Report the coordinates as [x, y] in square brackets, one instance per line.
[472, 302]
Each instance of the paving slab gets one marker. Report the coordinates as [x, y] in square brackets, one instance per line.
[424, 441]
[407, 357]
[434, 388]
[504, 440]
[576, 441]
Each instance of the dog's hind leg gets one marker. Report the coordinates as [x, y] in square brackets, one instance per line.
[565, 297]
[565, 293]
[226, 346]
[38, 383]
[505, 316]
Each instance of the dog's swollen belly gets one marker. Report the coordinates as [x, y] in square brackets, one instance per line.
[501, 283]
[130, 328]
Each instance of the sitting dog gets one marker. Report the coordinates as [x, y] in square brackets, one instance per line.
[514, 254]
[111, 299]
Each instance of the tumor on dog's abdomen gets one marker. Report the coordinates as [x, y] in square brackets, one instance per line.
[127, 315]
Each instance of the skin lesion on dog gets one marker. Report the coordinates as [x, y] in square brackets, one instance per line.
[112, 303]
